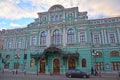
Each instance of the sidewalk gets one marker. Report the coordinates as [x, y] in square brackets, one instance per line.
[107, 74]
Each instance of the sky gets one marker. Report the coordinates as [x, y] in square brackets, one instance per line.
[19, 13]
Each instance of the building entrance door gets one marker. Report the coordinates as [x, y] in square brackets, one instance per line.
[42, 66]
[56, 66]
[71, 63]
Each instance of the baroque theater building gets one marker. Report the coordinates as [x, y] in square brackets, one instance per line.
[61, 39]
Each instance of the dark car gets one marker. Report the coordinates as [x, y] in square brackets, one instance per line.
[77, 74]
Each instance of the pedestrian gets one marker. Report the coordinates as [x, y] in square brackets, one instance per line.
[92, 71]
[16, 71]
[96, 73]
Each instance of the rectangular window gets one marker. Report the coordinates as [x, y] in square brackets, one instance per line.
[82, 37]
[19, 44]
[96, 38]
[111, 37]
[9, 45]
[33, 40]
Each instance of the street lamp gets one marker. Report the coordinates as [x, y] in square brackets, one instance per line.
[94, 54]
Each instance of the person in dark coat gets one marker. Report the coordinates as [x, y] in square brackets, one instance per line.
[96, 73]
[92, 71]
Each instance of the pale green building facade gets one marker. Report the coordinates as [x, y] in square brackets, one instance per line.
[61, 39]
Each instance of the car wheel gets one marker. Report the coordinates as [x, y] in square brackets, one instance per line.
[84, 76]
[69, 76]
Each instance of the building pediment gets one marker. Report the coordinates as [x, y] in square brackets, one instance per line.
[56, 8]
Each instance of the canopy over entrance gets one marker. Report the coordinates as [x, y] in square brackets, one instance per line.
[54, 50]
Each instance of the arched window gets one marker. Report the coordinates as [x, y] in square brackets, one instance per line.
[43, 38]
[32, 63]
[60, 17]
[84, 63]
[70, 36]
[114, 53]
[56, 37]
[52, 18]
[56, 18]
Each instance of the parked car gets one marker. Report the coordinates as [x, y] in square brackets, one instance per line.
[77, 73]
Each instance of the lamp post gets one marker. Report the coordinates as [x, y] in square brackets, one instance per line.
[94, 54]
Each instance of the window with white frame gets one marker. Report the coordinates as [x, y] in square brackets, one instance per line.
[60, 17]
[70, 36]
[33, 40]
[82, 36]
[43, 38]
[19, 44]
[96, 38]
[56, 37]
[56, 18]
[9, 45]
[112, 37]
[52, 18]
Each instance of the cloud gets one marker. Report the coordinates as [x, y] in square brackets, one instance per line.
[10, 10]
[14, 25]
[17, 9]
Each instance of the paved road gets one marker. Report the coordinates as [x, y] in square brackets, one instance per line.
[21, 76]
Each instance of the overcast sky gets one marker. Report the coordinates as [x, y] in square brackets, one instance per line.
[19, 13]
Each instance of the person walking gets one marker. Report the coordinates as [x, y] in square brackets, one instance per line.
[96, 73]
[92, 71]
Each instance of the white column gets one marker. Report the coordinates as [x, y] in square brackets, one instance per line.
[118, 35]
[102, 33]
[105, 37]
[48, 38]
[64, 37]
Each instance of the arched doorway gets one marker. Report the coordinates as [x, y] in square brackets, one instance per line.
[56, 66]
[71, 63]
[42, 65]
